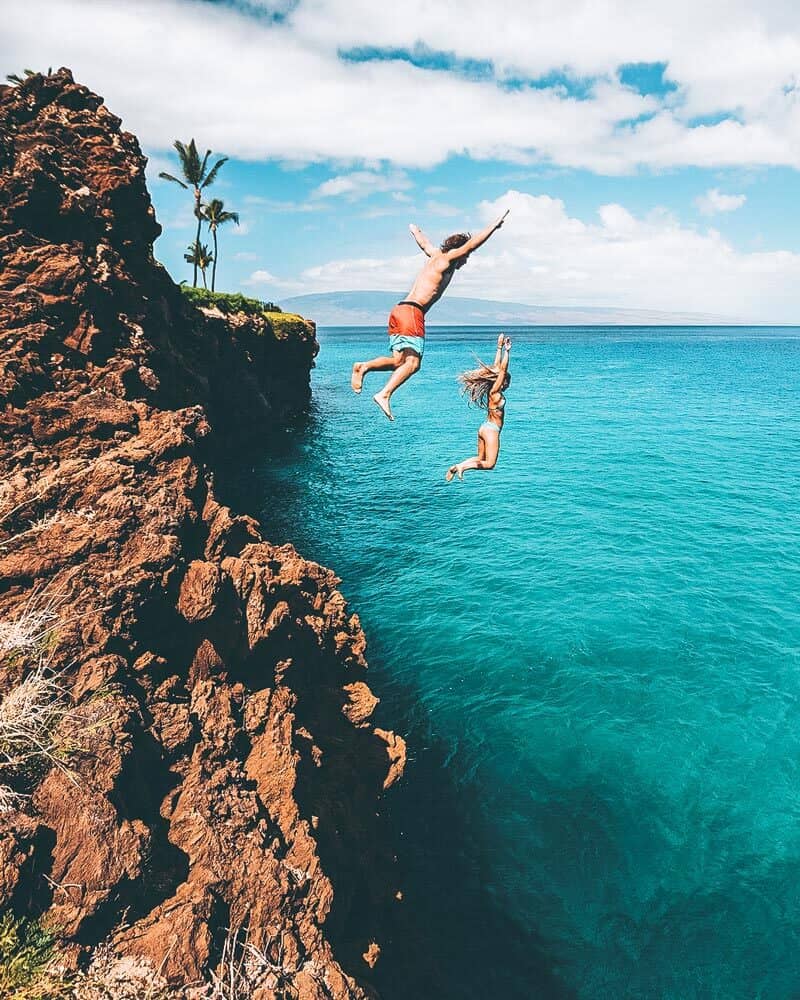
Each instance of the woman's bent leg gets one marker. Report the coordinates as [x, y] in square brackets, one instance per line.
[486, 459]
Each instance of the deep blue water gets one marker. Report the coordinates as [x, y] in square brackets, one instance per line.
[594, 651]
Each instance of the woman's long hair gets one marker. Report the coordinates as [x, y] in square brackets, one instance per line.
[477, 384]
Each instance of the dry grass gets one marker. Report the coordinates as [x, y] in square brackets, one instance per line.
[32, 710]
[29, 715]
[112, 978]
[243, 968]
[10, 800]
[26, 635]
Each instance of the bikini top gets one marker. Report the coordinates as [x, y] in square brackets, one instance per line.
[501, 405]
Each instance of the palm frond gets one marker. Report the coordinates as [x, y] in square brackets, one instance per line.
[203, 165]
[15, 78]
[198, 253]
[194, 156]
[211, 176]
[189, 161]
[212, 209]
[168, 177]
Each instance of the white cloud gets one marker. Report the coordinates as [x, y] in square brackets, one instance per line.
[245, 255]
[366, 273]
[243, 229]
[724, 55]
[156, 163]
[714, 201]
[441, 208]
[545, 256]
[361, 184]
[262, 277]
[264, 280]
[275, 205]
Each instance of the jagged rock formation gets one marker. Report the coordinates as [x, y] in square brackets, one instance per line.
[223, 771]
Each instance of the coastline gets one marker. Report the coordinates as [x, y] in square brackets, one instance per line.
[222, 771]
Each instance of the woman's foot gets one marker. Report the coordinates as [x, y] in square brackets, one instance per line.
[383, 403]
[357, 378]
[450, 473]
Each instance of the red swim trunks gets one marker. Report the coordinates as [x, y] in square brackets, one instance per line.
[407, 328]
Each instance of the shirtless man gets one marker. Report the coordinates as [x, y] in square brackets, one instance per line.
[407, 319]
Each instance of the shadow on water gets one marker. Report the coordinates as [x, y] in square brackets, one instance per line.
[454, 938]
[451, 937]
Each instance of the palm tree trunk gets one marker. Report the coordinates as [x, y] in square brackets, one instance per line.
[197, 237]
[203, 272]
[214, 265]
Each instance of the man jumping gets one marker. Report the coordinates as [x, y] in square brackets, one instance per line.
[407, 319]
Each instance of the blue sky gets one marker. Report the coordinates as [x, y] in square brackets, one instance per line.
[648, 152]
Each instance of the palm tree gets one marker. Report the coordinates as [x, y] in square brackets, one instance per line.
[16, 79]
[215, 215]
[199, 255]
[194, 173]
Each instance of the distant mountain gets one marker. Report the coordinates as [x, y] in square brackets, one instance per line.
[372, 308]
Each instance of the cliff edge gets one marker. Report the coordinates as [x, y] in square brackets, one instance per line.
[215, 777]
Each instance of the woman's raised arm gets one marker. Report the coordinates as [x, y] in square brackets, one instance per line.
[502, 367]
[499, 353]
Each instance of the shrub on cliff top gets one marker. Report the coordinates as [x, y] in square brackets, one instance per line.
[26, 951]
[31, 969]
[287, 325]
[227, 303]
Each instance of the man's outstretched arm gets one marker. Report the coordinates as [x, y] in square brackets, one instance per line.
[477, 240]
[422, 240]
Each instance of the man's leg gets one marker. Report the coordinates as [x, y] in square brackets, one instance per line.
[409, 364]
[360, 369]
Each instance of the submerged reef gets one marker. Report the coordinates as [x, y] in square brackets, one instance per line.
[207, 785]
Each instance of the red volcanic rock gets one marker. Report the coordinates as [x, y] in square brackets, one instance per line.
[224, 770]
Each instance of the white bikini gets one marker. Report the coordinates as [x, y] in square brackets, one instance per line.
[490, 425]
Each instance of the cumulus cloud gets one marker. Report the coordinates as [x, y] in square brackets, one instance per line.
[362, 183]
[282, 89]
[545, 256]
[714, 201]
[366, 273]
[262, 277]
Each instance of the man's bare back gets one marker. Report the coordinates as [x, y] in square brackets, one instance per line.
[442, 264]
[407, 319]
[432, 281]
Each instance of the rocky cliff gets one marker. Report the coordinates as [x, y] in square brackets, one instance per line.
[214, 770]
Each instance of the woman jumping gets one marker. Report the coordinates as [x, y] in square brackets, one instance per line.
[484, 386]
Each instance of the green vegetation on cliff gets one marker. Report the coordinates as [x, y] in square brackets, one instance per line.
[283, 325]
[227, 303]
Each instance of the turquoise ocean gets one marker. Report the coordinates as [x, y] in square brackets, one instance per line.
[593, 651]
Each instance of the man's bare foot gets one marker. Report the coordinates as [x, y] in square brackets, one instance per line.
[450, 473]
[383, 403]
[357, 378]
